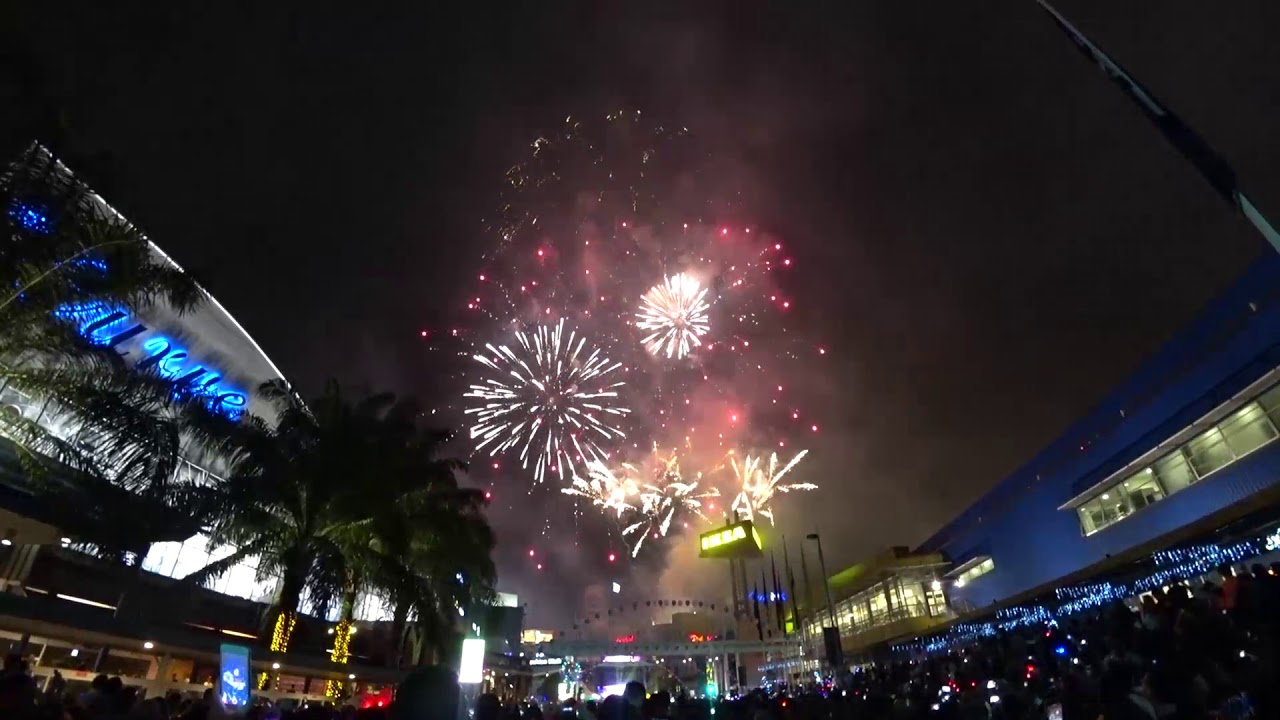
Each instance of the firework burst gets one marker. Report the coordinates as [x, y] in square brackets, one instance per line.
[605, 488]
[666, 493]
[758, 484]
[550, 396]
[674, 313]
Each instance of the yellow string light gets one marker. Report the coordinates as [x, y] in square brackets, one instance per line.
[341, 654]
[286, 622]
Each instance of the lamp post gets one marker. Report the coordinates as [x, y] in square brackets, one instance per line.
[826, 583]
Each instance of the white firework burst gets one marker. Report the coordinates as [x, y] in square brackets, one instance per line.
[668, 494]
[759, 483]
[550, 396]
[674, 313]
[605, 489]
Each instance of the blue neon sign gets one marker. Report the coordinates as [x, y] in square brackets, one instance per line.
[112, 326]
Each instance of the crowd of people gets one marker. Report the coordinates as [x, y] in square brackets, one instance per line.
[1204, 650]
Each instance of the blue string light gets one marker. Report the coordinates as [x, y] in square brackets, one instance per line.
[31, 217]
[1173, 566]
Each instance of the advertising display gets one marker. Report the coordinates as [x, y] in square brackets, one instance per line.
[233, 676]
[471, 665]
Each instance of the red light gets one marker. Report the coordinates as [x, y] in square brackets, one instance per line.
[539, 253]
[539, 566]
[488, 495]
[530, 553]
[787, 261]
[734, 418]
[495, 466]
[822, 351]
[778, 246]
[379, 703]
[424, 333]
[795, 416]
[786, 304]
[814, 428]
[482, 277]
[612, 557]
[724, 231]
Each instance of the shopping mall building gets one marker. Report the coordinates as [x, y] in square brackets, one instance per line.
[60, 605]
[1174, 473]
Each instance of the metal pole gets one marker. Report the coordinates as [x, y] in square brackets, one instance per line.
[1215, 169]
[826, 583]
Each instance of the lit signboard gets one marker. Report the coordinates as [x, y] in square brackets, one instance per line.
[471, 665]
[113, 327]
[534, 637]
[734, 541]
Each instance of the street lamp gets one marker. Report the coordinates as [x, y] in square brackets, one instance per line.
[826, 583]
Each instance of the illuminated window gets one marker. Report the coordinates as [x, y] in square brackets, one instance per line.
[1173, 472]
[975, 572]
[1248, 428]
[879, 608]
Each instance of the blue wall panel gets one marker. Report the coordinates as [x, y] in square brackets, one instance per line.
[1039, 544]
[1234, 342]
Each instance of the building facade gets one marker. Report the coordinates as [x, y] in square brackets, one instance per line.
[1182, 449]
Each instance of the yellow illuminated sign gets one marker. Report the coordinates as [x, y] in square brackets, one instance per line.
[724, 537]
[741, 537]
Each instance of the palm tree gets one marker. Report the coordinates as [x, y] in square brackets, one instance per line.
[120, 434]
[429, 555]
[292, 491]
[67, 257]
[66, 252]
[304, 496]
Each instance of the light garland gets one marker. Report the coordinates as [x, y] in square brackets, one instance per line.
[340, 655]
[1174, 566]
[286, 623]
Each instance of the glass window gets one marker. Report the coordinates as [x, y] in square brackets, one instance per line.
[1270, 401]
[913, 600]
[1142, 489]
[1209, 451]
[879, 607]
[976, 571]
[1240, 433]
[861, 615]
[1247, 429]
[1109, 507]
[1173, 472]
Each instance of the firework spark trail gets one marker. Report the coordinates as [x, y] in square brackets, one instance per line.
[605, 489]
[540, 394]
[661, 499]
[674, 313]
[758, 484]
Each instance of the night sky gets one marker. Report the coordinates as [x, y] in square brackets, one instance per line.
[990, 235]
